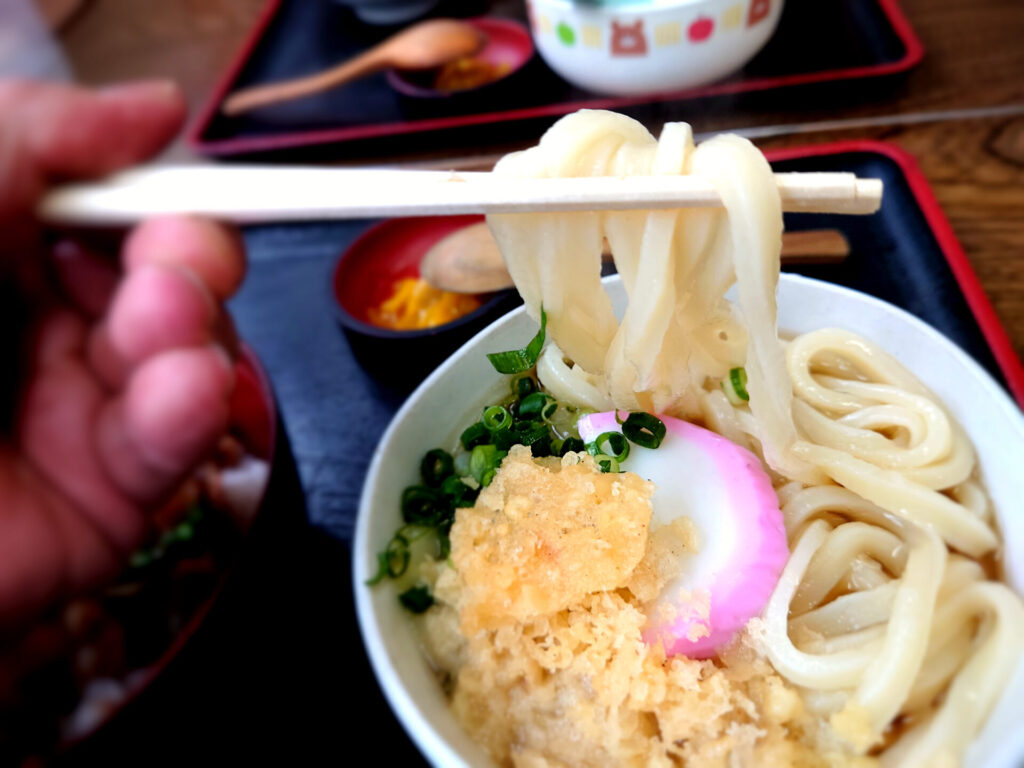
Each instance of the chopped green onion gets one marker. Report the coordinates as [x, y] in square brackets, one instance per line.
[461, 464]
[473, 435]
[612, 444]
[382, 570]
[533, 404]
[436, 466]
[548, 411]
[530, 432]
[421, 505]
[524, 386]
[521, 360]
[417, 599]
[456, 490]
[644, 429]
[542, 447]
[396, 556]
[483, 460]
[607, 464]
[496, 418]
[735, 386]
[571, 445]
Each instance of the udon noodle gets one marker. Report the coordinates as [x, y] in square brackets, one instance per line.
[884, 614]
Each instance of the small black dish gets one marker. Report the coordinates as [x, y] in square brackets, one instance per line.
[508, 50]
[365, 275]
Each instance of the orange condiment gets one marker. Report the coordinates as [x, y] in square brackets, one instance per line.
[468, 72]
[414, 304]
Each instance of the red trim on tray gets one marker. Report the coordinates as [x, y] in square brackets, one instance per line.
[914, 51]
[978, 301]
[223, 87]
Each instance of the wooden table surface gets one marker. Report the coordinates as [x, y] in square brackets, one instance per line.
[960, 112]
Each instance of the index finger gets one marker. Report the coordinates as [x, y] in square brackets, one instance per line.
[51, 132]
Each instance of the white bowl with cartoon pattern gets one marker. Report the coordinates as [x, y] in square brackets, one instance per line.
[640, 47]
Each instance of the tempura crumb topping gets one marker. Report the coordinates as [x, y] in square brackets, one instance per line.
[539, 630]
[545, 534]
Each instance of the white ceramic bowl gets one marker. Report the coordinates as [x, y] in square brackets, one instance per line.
[450, 399]
[649, 46]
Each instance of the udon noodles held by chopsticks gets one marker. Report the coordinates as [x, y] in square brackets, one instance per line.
[884, 614]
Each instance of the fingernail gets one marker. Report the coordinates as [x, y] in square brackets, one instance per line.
[160, 90]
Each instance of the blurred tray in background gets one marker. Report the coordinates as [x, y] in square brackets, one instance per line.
[816, 43]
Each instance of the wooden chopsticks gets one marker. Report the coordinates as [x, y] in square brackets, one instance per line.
[247, 194]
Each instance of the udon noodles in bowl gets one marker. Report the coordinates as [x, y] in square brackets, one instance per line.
[580, 629]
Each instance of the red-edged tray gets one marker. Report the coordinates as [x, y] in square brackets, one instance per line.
[816, 42]
[929, 265]
[281, 682]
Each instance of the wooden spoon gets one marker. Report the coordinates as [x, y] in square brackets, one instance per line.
[468, 260]
[425, 45]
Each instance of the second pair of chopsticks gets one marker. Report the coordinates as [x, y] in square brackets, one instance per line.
[247, 194]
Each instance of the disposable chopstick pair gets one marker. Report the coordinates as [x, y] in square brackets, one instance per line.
[247, 194]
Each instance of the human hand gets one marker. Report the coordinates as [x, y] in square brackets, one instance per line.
[122, 379]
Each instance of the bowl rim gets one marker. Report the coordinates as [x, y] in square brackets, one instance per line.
[623, 7]
[440, 752]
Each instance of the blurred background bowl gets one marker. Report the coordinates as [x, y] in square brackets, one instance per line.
[120, 644]
[509, 47]
[388, 12]
[641, 47]
[365, 276]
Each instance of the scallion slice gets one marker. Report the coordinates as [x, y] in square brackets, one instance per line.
[460, 494]
[484, 461]
[521, 360]
[548, 411]
[437, 464]
[421, 505]
[571, 445]
[735, 386]
[612, 444]
[532, 406]
[417, 599]
[525, 386]
[473, 435]
[644, 429]
[496, 418]
[396, 556]
[530, 432]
